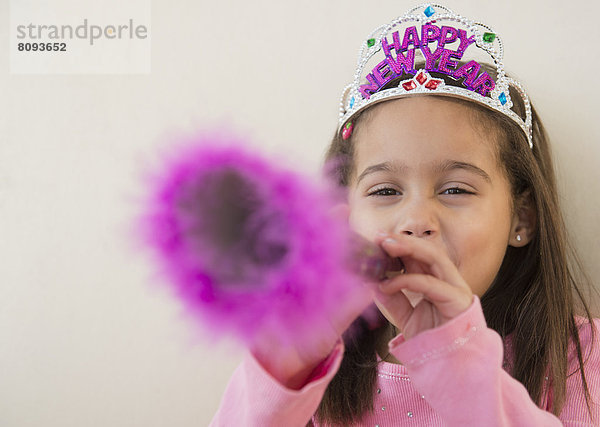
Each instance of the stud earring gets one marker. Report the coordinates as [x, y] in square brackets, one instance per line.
[518, 237]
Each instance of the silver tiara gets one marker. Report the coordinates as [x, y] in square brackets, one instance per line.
[458, 42]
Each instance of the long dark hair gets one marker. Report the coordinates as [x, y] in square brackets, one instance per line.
[532, 300]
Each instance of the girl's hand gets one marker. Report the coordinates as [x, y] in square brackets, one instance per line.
[292, 362]
[428, 271]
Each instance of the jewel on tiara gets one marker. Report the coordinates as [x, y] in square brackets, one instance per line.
[454, 35]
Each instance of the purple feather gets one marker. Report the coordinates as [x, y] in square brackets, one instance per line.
[245, 243]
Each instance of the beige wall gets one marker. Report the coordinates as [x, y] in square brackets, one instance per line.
[84, 340]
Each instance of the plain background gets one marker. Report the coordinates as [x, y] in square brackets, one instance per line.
[84, 340]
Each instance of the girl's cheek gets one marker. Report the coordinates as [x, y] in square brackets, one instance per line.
[355, 224]
[480, 256]
[361, 222]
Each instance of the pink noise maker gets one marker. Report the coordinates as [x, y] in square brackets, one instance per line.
[247, 244]
[415, 52]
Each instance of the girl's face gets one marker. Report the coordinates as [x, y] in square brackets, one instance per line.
[424, 168]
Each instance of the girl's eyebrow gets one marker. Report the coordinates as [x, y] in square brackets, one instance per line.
[379, 167]
[449, 165]
[445, 166]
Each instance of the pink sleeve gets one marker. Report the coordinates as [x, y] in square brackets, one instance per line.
[575, 410]
[458, 368]
[254, 398]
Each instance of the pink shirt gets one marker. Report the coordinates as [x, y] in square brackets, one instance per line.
[451, 376]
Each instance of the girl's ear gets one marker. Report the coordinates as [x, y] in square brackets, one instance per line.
[524, 221]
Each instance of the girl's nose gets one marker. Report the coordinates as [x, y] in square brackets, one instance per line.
[418, 233]
[417, 218]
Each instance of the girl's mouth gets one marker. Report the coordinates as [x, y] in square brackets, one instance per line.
[396, 268]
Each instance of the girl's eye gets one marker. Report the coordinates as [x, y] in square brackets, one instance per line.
[385, 192]
[456, 190]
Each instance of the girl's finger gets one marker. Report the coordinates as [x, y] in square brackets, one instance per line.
[449, 300]
[423, 251]
[396, 307]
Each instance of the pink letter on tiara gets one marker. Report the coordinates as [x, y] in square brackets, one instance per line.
[411, 37]
[464, 41]
[445, 61]
[453, 32]
[368, 89]
[382, 72]
[430, 58]
[470, 71]
[406, 63]
[484, 84]
[395, 45]
[429, 33]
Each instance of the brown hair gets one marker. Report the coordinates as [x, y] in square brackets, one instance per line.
[532, 299]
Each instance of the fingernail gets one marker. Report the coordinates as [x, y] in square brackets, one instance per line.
[389, 240]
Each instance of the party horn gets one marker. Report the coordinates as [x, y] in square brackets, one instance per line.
[249, 244]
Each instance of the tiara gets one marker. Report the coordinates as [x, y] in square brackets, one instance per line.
[409, 39]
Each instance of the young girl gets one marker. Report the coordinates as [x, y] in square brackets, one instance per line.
[448, 168]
